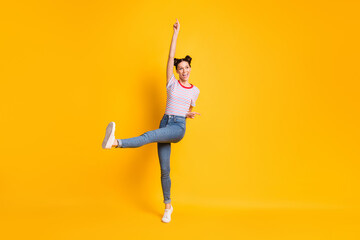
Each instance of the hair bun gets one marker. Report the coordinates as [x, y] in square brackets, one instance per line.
[179, 60]
[176, 61]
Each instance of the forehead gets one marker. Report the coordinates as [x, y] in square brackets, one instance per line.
[183, 64]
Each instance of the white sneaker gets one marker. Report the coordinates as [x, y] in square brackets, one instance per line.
[167, 215]
[109, 136]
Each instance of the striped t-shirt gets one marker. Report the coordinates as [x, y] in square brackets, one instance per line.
[179, 97]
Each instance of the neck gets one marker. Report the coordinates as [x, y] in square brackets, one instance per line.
[185, 83]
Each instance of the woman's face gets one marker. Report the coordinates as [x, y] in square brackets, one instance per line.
[183, 69]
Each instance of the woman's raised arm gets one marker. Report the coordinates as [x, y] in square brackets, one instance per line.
[170, 64]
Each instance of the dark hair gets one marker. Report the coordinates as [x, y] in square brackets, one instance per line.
[179, 60]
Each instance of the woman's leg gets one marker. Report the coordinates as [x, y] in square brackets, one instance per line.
[164, 150]
[170, 133]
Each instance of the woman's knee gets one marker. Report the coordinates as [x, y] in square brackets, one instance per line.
[165, 172]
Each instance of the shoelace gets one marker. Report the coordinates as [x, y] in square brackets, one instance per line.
[167, 213]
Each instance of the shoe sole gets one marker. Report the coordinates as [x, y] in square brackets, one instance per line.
[109, 136]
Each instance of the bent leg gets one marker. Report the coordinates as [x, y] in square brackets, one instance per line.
[164, 150]
[166, 134]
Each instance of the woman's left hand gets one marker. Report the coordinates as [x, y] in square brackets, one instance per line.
[191, 114]
[176, 27]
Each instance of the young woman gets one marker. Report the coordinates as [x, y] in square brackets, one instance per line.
[181, 98]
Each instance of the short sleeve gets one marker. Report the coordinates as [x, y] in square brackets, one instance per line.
[195, 97]
[171, 81]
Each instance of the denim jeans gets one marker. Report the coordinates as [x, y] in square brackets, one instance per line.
[171, 130]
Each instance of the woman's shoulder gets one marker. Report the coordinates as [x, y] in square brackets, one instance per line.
[196, 89]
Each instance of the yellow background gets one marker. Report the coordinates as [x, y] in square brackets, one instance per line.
[274, 153]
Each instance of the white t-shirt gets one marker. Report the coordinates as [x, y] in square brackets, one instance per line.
[179, 97]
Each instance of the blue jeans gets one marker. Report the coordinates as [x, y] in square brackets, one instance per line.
[172, 130]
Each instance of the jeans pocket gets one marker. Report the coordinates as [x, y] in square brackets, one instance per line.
[179, 119]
